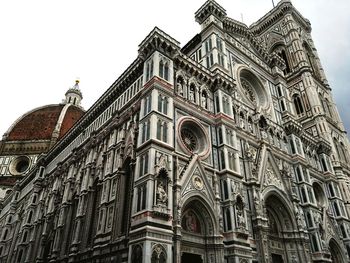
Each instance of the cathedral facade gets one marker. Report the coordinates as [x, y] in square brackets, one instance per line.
[229, 149]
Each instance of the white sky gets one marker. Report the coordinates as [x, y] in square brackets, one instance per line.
[45, 45]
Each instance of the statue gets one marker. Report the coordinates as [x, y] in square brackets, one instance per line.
[204, 100]
[180, 89]
[162, 196]
[240, 219]
[191, 94]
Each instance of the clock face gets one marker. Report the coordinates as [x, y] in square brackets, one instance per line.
[197, 182]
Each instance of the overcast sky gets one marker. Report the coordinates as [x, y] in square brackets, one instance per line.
[45, 45]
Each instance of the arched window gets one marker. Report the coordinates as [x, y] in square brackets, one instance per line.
[298, 104]
[163, 70]
[166, 71]
[136, 256]
[311, 58]
[283, 55]
[30, 215]
[309, 219]
[149, 70]
[158, 255]
[220, 135]
[228, 223]
[345, 152]
[222, 155]
[314, 243]
[159, 129]
[4, 236]
[25, 235]
[329, 108]
[224, 189]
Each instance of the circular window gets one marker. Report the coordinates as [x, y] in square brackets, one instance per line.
[251, 87]
[193, 138]
[19, 165]
[189, 139]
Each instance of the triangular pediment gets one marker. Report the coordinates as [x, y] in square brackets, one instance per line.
[269, 173]
[194, 181]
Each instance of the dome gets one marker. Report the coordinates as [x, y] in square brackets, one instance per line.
[44, 123]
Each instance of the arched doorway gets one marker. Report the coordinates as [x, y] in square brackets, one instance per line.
[336, 252]
[280, 228]
[198, 228]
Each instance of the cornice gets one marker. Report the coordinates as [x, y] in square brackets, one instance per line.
[158, 40]
[118, 87]
[211, 78]
[210, 7]
[282, 8]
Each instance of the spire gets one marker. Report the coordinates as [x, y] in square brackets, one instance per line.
[74, 95]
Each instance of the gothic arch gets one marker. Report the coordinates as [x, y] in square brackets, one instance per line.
[282, 221]
[337, 254]
[198, 227]
[159, 254]
[272, 193]
[203, 211]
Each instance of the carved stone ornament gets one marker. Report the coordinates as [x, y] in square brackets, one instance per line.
[197, 182]
[272, 179]
[248, 90]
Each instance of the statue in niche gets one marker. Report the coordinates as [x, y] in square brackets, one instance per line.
[191, 94]
[241, 121]
[240, 212]
[240, 219]
[180, 89]
[204, 100]
[162, 196]
[250, 152]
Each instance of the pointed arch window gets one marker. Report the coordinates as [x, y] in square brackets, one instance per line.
[149, 69]
[4, 236]
[158, 255]
[283, 55]
[227, 223]
[162, 130]
[298, 104]
[164, 69]
[163, 104]
[137, 254]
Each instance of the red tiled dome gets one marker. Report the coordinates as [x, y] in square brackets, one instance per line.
[40, 123]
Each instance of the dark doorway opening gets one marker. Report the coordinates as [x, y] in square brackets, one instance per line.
[276, 258]
[191, 258]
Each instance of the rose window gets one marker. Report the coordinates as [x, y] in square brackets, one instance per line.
[248, 90]
[193, 138]
[252, 88]
[189, 139]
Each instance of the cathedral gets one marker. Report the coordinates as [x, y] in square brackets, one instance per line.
[229, 149]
